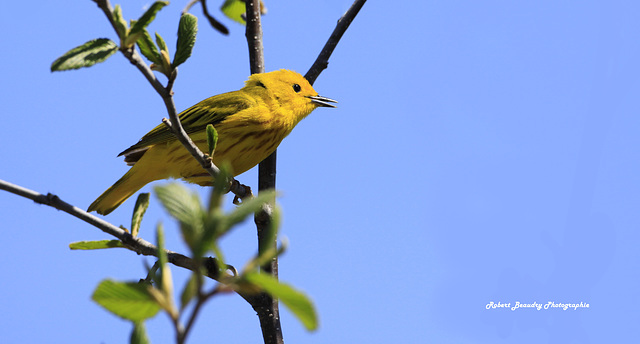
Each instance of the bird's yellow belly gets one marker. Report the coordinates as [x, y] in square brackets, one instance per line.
[241, 149]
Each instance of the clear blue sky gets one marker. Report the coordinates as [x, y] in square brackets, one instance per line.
[481, 152]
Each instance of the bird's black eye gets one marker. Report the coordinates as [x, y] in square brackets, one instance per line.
[297, 88]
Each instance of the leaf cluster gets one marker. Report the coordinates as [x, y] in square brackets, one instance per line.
[201, 229]
[135, 33]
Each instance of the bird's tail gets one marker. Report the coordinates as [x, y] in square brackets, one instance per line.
[126, 186]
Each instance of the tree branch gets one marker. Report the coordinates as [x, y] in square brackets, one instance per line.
[136, 244]
[322, 61]
[265, 306]
[213, 21]
[253, 34]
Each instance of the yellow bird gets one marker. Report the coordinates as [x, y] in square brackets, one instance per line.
[250, 122]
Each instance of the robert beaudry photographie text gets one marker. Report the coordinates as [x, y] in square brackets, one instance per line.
[538, 306]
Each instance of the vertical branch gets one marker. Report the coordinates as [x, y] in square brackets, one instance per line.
[265, 306]
[254, 37]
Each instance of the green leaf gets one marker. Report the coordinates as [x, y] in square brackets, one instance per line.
[271, 230]
[220, 185]
[162, 254]
[127, 300]
[137, 30]
[247, 208]
[164, 66]
[209, 235]
[161, 44]
[234, 9]
[212, 138]
[182, 204]
[297, 302]
[139, 334]
[185, 207]
[148, 16]
[148, 48]
[120, 23]
[187, 30]
[190, 290]
[95, 245]
[86, 55]
[142, 203]
[164, 295]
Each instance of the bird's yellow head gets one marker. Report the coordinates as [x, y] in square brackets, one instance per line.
[288, 91]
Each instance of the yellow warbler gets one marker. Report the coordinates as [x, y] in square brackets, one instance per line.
[250, 122]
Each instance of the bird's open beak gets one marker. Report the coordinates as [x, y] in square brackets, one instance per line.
[322, 101]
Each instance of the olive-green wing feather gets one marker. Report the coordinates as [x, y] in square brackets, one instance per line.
[209, 111]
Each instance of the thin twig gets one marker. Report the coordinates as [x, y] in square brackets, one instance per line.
[322, 61]
[213, 21]
[189, 5]
[202, 298]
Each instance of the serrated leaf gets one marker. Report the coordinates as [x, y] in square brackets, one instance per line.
[187, 30]
[148, 16]
[148, 48]
[142, 203]
[212, 138]
[161, 43]
[137, 29]
[164, 66]
[297, 302]
[131, 37]
[139, 334]
[86, 55]
[95, 245]
[127, 300]
[120, 23]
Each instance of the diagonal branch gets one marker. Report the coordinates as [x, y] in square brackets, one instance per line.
[322, 61]
[213, 21]
[134, 244]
